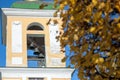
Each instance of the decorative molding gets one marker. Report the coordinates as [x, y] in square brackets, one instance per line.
[17, 60]
[23, 12]
[16, 37]
[37, 72]
[28, 12]
[54, 43]
[56, 61]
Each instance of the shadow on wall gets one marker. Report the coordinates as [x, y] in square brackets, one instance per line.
[2, 47]
[2, 55]
[3, 4]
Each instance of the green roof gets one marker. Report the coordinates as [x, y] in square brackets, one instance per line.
[32, 5]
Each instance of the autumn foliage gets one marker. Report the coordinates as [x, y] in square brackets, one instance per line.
[91, 28]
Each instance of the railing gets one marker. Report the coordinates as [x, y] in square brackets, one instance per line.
[33, 61]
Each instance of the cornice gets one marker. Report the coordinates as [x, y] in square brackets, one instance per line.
[37, 72]
[28, 12]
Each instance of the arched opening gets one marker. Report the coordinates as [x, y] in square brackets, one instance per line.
[35, 46]
[35, 26]
[36, 50]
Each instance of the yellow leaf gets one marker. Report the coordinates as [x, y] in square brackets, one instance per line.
[55, 14]
[55, 21]
[64, 38]
[76, 30]
[71, 18]
[65, 2]
[117, 7]
[108, 53]
[76, 37]
[114, 73]
[114, 65]
[101, 60]
[87, 20]
[101, 21]
[101, 5]
[73, 2]
[92, 29]
[96, 61]
[97, 16]
[61, 6]
[94, 2]
[64, 59]
[93, 59]
[118, 25]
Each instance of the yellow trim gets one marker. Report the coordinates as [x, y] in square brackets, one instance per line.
[11, 78]
[35, 32]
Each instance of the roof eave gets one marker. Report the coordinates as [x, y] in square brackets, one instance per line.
[28, 12]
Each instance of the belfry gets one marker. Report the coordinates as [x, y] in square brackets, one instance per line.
[32, 50]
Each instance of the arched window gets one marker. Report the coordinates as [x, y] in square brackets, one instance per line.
[35, 26]
[35, 45]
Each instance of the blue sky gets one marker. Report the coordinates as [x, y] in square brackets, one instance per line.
[7, 4]
[3, 4]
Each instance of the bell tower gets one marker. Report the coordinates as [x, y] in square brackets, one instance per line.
[31, 42]
[32, 50]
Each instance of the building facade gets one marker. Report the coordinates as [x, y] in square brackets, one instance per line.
[32, 50]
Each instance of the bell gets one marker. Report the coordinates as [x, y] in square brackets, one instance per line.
[41, 55]
[36, 51]
[32, 46]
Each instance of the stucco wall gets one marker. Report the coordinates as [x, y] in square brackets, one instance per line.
[25, 21]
